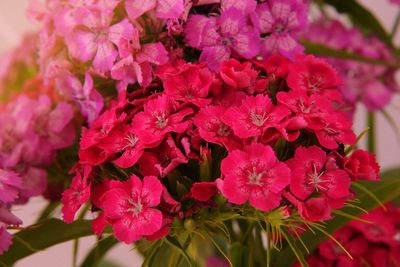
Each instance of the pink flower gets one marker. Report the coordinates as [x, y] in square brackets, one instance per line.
[314, 76]
[212, 127]
[361, 165]
[203, 191]
[188, 83]
[130, 208]
[253, 174]
[159, 118]
[94, 38]
[10, 183]
[311, 174]
[255, 115]
[77, 194]
[165, 9]
[229, 33]
[162, 160]
[89, 100]
[238, 75]
[315, 209]
[137, 67]
[281, 20]
[5, 239]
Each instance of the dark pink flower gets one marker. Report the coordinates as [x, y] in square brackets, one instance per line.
[162, 160]
[10, 183]
[238, 75]
[130, 208]
[361, 165]
[311, 173]
[255, 115]
[314, 76]
[165, 9]
[203, 191]
[5, 239]
[213, 128]
[77, 194]
[315, 209]
[159, 118]
[253, 174]
[281, 20]
[188, 83]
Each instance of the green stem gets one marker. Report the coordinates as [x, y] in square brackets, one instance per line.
[395, 26]
[371, 134]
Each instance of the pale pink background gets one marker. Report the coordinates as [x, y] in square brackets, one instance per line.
[13, 24]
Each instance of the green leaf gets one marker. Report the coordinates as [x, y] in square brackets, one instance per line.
[96, 254]
[42, 235]
[322, 50]
[386, 190]
[361, 17]
[173, 242]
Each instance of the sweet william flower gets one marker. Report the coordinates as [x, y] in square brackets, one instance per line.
[10, 183]
[165, 9]
[213, 128]
[282, 20]
[255, 115]
[238, 75]
[311, 173]
[159, 118]
[130, 208]
[361, 165]
[203, 191]
[188, 83]
[77, 194]
[253, 174]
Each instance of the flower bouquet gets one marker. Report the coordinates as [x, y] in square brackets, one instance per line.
[203, 133]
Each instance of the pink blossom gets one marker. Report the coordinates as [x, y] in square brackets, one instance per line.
[361, 165]
[238, 75]
[166, 9]
[10, 183]
[188, 83]
[77, 194]
[94, 38]
[159, 118]
[162, 160]
[203, 191]
[314, 76]
[281, 20]
[253, 174]
[5, 239]
[315, 209]
[90, 101]
[310, 174]
[229, 33]
[214, 129]
[130, 208]
[137, 67]
[255, 115]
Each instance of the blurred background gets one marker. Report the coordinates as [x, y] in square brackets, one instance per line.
[13, 24]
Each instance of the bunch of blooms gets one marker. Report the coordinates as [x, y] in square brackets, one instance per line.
[34, 125]
[264, 133]
[376, 243]
[373, 85]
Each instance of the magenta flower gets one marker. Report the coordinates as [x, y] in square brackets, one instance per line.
[281, 20]
[253, 174]
[130, 208]
[165, 9]
[90, 101]
[188, 83]
[10, 183]
[137, 68]
[361, 165]
[222, 36]
[255, 115]
[5, 239]
[310, 173]
[77, 194]
[159, 118]
[94, 38]
[213, 128]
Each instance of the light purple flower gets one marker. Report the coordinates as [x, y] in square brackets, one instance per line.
[281, 20]
[220, 37]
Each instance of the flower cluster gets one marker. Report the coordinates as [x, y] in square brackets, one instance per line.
[376, 243]
[373, 85]
[246, 29]
[32, 130]
[267, 133]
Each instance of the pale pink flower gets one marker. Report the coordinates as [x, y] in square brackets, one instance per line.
[165, 9]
